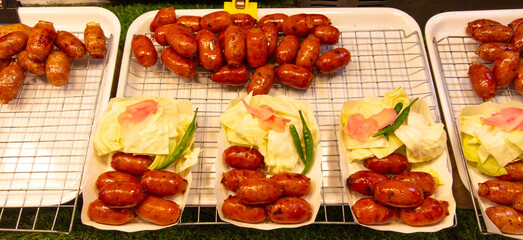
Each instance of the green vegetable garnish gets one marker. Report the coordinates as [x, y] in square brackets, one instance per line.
[309, 145]
[297, 142]
[399, 120]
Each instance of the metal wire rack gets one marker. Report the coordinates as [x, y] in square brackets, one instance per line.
[44, 137]
[381, 61]
[454, 55]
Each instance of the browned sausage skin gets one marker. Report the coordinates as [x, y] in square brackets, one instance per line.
[17, 27]
[216, 21]
[191, 21]
[177, 64]
[70, 44]
[500, 192]
[333, 60]
[11, 81]
[294, 184]
[114, 176]
[492, 33]
[101, 213]
[262, 80]
[121, 194]
[232, 178]
[30, 65]
[505, 68]
[287, 49]
[163, 183]
[243, 20]
[327, 34]
[507, 219]
[308, 52]
[271, 33]
[370, 212]
[163, 16]
[514, 169]
[209, 50]
[182, 42]
[235, 209]
[398, 194]
[422, 179]
[243, 157]
[294, 76]
[12, 43]
[482, 80]
[130, 163]
[159, 211]
[299, 25]
[256, 47]
[57, 68]
[319, 19]
[41, 40]
[490, 51]
[472, 26]
[94, 40]
[160, 35]
[393, 164]
[430, 212]
[290, 210]
[275, 18]
[144, 51]
[255, 191]
[234, 46]
[231, 76]
[364, 182]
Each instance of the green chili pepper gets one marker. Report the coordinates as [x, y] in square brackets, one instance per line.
[297, 142]
[397, 109]
[182, 144]
[309, 145]
[399, 120]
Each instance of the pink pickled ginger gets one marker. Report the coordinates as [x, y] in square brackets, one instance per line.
[138, 112]
[267, 119]
[361, 128]
[508, 119]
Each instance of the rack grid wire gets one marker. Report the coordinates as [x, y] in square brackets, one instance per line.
[455, 54]
[44, 137]
[381, 61]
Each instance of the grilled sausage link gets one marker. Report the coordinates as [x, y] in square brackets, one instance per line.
[271, 33]
[11, 81]
[308, 52]
[364, 182]
[231, 76]
[94, 40]
[275, 18]
[505, 68]
[177, 64]
[144, 51]
[394, 163]
[256, 47]
[101, 213]
[182, 42]
[290, 210]
[518, 203]
[235, 209]
[370, 212]
[243, 157]
[190, 21]
[255, 191]
[514, 169]
[159, 211]
[160, 35]
[163, 16]
[41, 40]
[287, 49]
[490, 51]
[121, 194]
[472, 26]
[398, 194]
[262, 80]
[163, 183]
[243, 20]
[327, 34]
[57, 68]
[30, 65]
[294, 76]
[130, 163]
[298, 24]
[430, 212]
[517, 37]
[234, 46]
[12, 43]
[422, 179]
[216, 21]
[231, 179]
[17, 27]
[70, 45]
[209, 50]
[492, 33]
[114, 176]
[506, 219]
[482, 80]
[294, 184]
[500, 192]
[333, 60]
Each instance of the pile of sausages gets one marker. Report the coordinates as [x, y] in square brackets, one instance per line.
[406, 194]
[134, 190]
[227, 43]
[258, 197]
[499, 44]
[35, 53]
[508, 192]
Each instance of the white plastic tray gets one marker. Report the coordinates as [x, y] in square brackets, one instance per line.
[387, 51]
[45, 131]
[451, 52]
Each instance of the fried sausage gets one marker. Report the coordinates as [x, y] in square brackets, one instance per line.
[262, 80]
[308, 52]
[515, 23]
[130, 163]
[163, 183]
[232, 178]
[57, 68]
[430, 212]
[364, 182]
[370, 212]
[231, 76]
[271, 33]
[159, 211]
[287, 49]
[422, 179]
[235, 209]
[177, 64]
[11, 81]
[163, 16]
[327, 34]
[290, 210]
[482, 81]
[514, 169]
[472, 26]
[517, 37]
[234, 46]
[319, 19]
[506, 219]
[114, 176]
[94, 40]
[30, 65]
[298, 24]
[160, 35]
[398, 194]
[255, 191]
[121, 194]
[505, 68]
[12, 43]
[243, 157]
[216, 21]
[209, 50]
[395, 163]
[518, 81]
[294, 76]
[4, 62]
[333, 60]
[275, 18]
[70, 45]
[490, 51]
[184, 44]
[294, 184]
[243, 20]
[17, 27]
[144, 51]
[256, 47]
[41, 41]
[500, 192]
[190, 21]
[492, 33]
[518, 203]
[101, 213]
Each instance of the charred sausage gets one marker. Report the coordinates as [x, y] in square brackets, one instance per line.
[255, 191]
[482, 81]
[144, 51]
[500, 192]
[398, 194]
[177, 64]
[299, 25]
[430, 212]
[364, 182]
[370, 212]
[290, 210]
[294, 76]
[395, 163]
[294, 184]
[235, 209]
[41, 41]
[262, 80]
[232, 178]
[159, 211]
[11, 81]
[121, 194]
[70, 45]
[101, 213]
[163, 183]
